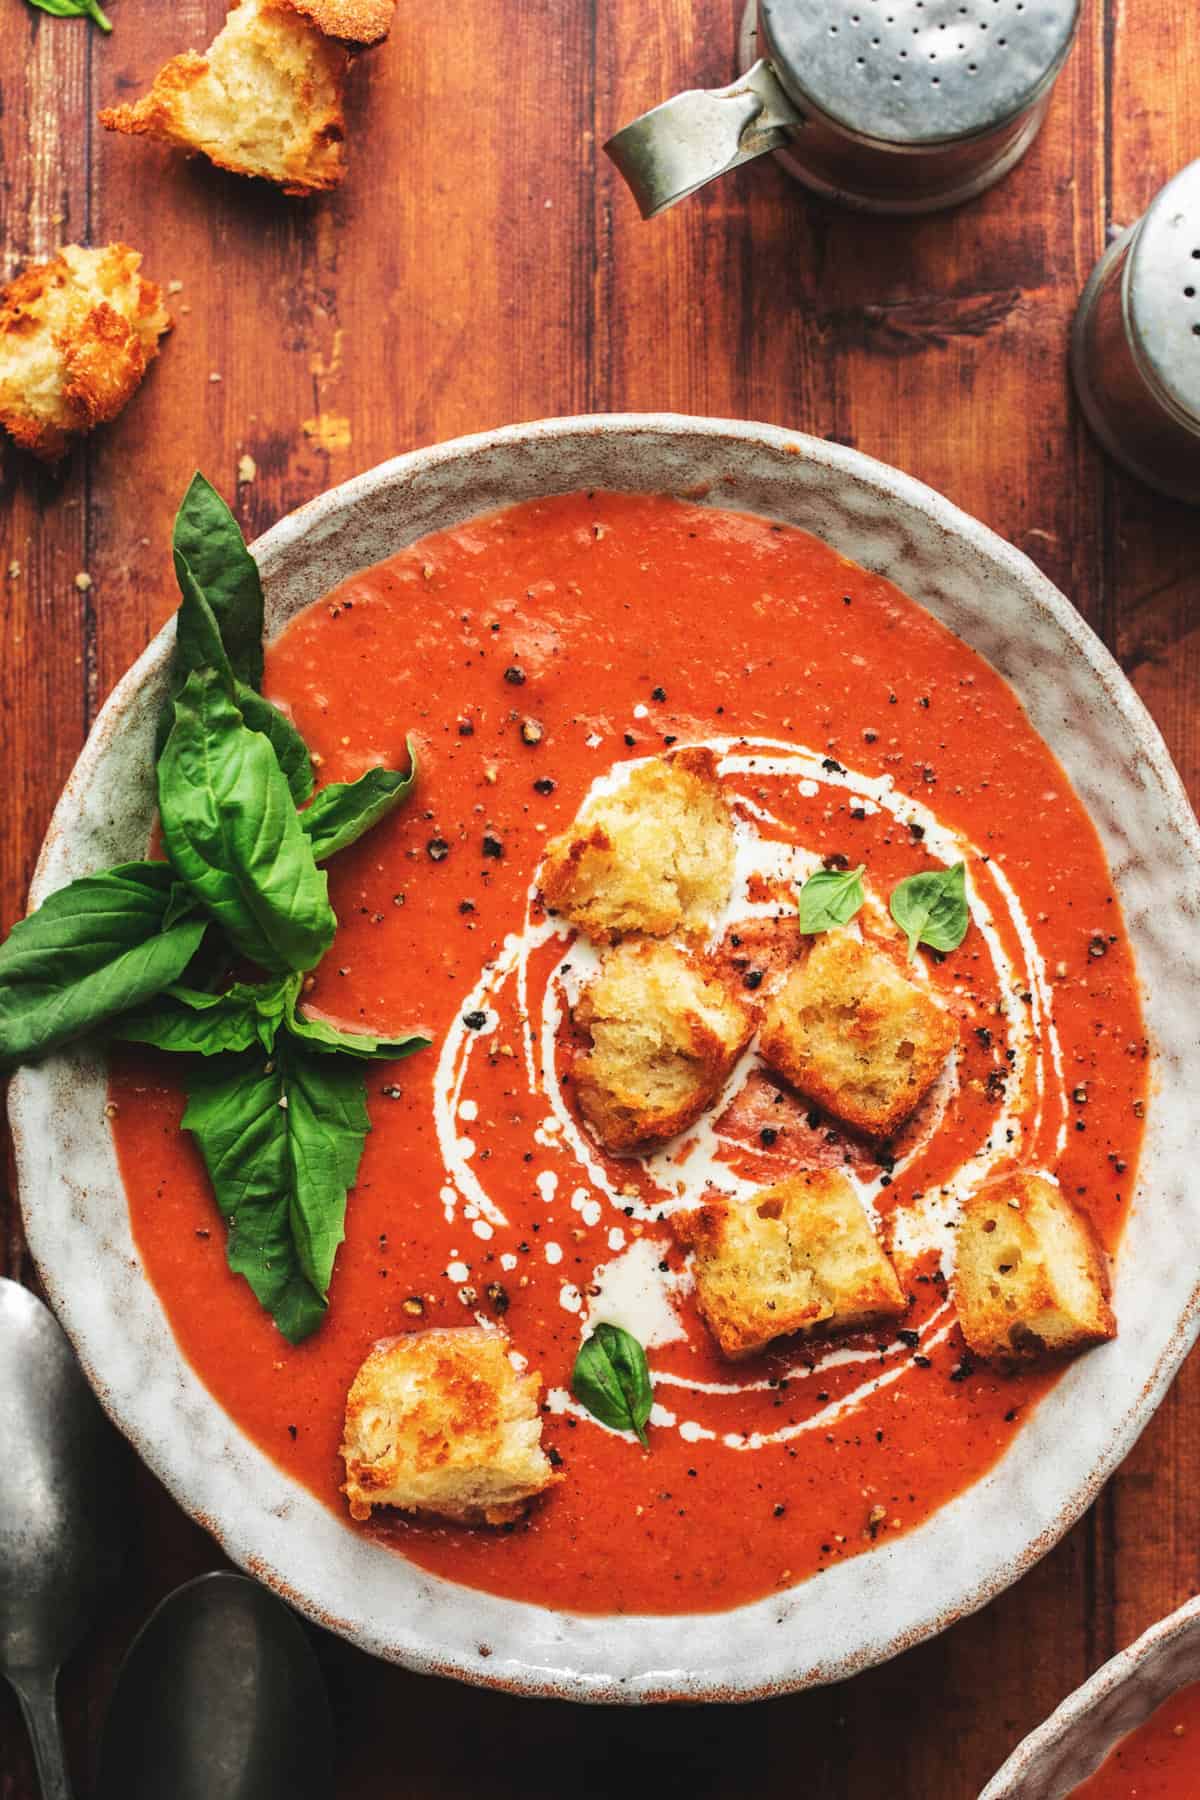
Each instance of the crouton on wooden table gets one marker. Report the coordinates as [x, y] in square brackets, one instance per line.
[264, 99]
[76, 336]
[656, 856]
[666, 1033]
[441, 1422]
[798, 1256]
[1031, 1275]
[855, 1035]
[354, 21]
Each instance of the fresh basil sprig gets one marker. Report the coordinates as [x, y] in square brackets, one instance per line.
[611, 1378]
[931, 908]
[74, 9]
[276, 1098]
[831, 897]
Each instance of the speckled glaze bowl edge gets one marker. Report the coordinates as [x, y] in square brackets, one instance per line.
[902, 1591]
[1077, 1737]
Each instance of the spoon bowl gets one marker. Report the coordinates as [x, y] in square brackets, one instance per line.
[62, 1514]
[219, 1698]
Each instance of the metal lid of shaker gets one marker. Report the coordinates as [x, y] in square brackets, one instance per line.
[1162, 293]
[917, 72]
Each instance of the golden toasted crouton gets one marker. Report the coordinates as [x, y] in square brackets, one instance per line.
[655, 856]
[665, 1033]
[1031, 1275]
[799, 1256]
[354, 21]
[440, 1422]
[264, 99]
[76, 336]
[854, 1034]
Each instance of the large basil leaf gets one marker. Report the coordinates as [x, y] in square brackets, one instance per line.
[213, 564]
[91, 950]
[344, 810]
[200, 643]
[233, 835]
[931, 908]
[187, 1019]
[612, 1379]
[327, 1040]
[75, 9]
[281, 1141]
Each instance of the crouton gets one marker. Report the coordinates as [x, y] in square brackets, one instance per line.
[1031, 1275]
[855, 1035]
[354, 21]
[666, 1033]
[798, 1256]
[76, 336]
[440, 1422]
[264, 99]
[654, 857]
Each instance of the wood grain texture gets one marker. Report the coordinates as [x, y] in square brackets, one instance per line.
[482, 265]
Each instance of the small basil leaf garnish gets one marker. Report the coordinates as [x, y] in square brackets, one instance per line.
[931, 908]
[344, 810]
[233, 835]
[325, 1039]
[90, 951]
[612, 1380]
[74, 9]
[831, 897]
[281, 1140]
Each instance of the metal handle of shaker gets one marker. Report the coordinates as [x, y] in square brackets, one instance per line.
[691, 139]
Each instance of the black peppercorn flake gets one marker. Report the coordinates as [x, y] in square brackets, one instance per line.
[767, 1136]
[1098, 946]
[438, 849]
[497, 1293]
[779, 1509]
[922, 1362]
[553, 1457]
[465, 728]
[858, 812]
[630, 740]
[658, 693]
[669, 738]
[492, 846]
[752, 978]
[475, 1021]
[544, 785]
[466, 906]
[832, 766]
[964, 1367]
[514, 676]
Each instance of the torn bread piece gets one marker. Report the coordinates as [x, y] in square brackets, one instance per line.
[264, 99]
[77, 334]
[798, 1256]
[855, 1035]
[354, 21]
[441, 1422]
[1031, 1275]
[655, 856]
[666, 1033]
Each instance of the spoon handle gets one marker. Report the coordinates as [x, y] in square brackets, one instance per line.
[39, 1703]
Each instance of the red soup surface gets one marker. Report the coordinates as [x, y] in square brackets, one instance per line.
[1158, 1761]
[531, 654]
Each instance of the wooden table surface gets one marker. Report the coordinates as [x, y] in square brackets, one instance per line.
[482, 265]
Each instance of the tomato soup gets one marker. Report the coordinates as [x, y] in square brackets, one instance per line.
[531, 654]
[1158, 1761]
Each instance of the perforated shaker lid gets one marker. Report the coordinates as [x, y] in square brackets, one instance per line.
[918, 72]
[1162, 291]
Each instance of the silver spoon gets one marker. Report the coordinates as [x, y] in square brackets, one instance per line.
[63, 1515]
[220, 1698]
